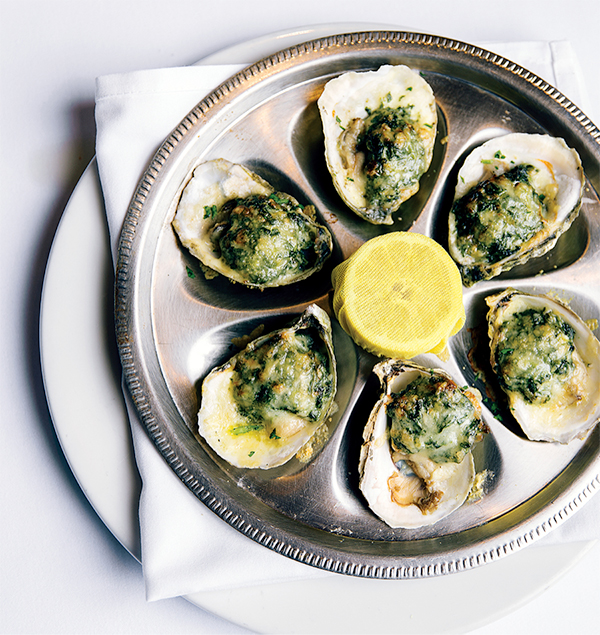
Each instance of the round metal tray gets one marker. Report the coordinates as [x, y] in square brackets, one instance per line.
[173, 325]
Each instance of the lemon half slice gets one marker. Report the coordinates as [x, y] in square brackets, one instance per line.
[399, 295]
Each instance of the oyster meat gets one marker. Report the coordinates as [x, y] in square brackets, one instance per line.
[515, 195]
[416, 465]
[264, 404]
[379, 129]
[547, 361]
[236, 224]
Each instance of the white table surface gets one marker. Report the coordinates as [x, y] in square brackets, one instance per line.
[61, 570]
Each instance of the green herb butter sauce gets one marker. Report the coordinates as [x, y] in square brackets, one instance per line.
[499, 215]
[268, 237]
[288, 375]
[534, 354]
[395, 154]
[435, 418]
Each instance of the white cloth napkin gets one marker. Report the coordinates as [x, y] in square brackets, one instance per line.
[185, 547]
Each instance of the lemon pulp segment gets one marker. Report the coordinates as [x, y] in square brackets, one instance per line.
[399, 295]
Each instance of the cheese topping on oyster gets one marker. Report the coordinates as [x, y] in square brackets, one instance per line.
[263, 405]
[548, 363]
[236, 224]
[416, 465]
[379, 129]
[514, 197]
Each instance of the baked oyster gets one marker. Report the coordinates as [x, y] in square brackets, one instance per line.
[379, 129]
[416, 465]
[236, 224]
[265, 403]
[548, 363]
[515, 195]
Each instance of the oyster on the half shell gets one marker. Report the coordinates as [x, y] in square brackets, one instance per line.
[379, 129]
[515, 195]
[547, 361]
[416, 465]
[236, 224]
[265, 403]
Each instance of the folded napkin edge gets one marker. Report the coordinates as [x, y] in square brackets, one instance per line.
[159, 80]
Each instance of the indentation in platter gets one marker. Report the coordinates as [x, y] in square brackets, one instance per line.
[175, 323]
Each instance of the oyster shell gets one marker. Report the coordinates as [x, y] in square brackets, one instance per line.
[236, 224]
[379, 129]
[265, 403]
[416, 465]
[548, 363]
[515, 195]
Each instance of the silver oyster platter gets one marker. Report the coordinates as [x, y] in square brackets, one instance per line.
[174, 325]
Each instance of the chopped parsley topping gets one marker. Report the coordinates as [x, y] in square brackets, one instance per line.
[210, 211]
[494, 408]
[534, 354]
[279, 200]
[395, 155]
[497, 216]
[267, 238]
[434, 417]
[244, 429]
[289, 373]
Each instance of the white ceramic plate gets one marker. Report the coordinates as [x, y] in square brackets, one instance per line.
[80, 366]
